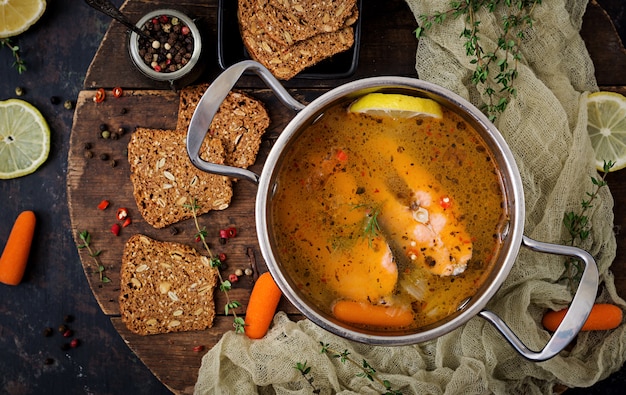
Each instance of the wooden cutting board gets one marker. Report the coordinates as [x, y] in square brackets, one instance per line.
[98, 170]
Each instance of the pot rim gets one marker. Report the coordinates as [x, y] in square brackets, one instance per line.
[511, 178]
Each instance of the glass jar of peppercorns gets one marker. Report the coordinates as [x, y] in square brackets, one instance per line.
[173, 50]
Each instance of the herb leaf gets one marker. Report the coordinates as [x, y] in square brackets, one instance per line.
[85, 236]
[497, 83]
[18, 64]
[578, 226]
[225, 285]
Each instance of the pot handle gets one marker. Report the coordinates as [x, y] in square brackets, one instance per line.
[209, 104]
[578, 311]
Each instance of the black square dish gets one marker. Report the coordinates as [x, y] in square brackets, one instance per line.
[231, 50]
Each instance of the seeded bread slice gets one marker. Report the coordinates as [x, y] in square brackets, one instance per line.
[165, 287]
[285, 62]
[309, 10]
[165, 181]
[290, 21]
[239, 123]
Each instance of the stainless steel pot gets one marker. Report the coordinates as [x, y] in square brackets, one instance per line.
[512, 240]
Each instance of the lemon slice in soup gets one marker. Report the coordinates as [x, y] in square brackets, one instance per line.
[396, 105]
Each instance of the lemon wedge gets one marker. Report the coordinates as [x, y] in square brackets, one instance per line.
[18, 15]
[606, 126]
[24, 138]
[396, 105]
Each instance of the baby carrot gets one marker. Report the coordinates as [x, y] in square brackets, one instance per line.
[16, 251]
[603, 317]
[375, 315]
[262, 306]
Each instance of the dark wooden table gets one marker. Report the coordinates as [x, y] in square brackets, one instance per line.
[58, 51]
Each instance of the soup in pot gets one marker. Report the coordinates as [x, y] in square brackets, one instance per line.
[388, 223]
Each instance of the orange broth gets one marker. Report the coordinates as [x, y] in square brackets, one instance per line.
[355, 192]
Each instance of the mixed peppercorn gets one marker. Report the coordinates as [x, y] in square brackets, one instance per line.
[171, 46]
[67, 334]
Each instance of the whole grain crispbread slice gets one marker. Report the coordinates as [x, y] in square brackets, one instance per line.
[309, 10]
[165, 287]
[165, 182]
[290, 21]
[285, 62]
[239, 123]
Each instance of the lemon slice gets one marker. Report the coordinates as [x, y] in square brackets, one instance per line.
[24, 138]
[396, 105]
[606, 126]
[18, 15]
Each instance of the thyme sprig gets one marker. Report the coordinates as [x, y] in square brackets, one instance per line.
[495, 69]
[85, 236]
[305, 370]
[367, 370]
[578, 226]
[18, 64]
[225, 285]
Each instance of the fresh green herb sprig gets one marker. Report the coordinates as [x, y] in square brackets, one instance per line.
[367, 371]
[19, 64]
[371, 229]
[305, 371]
[495, 70]
[579, 228]
[225, 285]
[85, 236]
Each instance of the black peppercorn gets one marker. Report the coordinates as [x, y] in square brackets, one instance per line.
[173, 231]
[87, 146]
[163, 52]
[62, 328]
[68, 318]
[88, 154]
[47, 332]
[114, 136]
[65, 346]
[48, 361]
[104, 157]
[123, 110]
[55, 100]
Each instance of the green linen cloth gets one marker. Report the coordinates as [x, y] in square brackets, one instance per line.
[545, 127]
